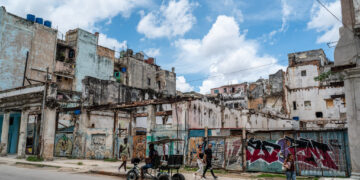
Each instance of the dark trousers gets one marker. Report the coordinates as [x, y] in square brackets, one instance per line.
[208, 166]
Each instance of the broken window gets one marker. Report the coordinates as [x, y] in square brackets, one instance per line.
[149, 81]
[236, 105]
[303, 73]
[225, 90]
[159, 84]
[319, 114]
[232, 90]
[294, 105]
[307, 104]
[329, 103]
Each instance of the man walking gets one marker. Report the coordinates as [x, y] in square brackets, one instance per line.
[124, 153]
[208, 158]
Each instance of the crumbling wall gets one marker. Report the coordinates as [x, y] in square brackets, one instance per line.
[23, 41]
[88, 62]
[295, 79]
[327, 100]
[102, 92]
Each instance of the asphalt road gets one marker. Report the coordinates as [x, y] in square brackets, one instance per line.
[27, 173]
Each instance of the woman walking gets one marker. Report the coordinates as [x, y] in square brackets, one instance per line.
[199, 160]
[289, 165]
[124, 154]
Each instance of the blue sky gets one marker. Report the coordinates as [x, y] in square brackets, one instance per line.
[205, 39]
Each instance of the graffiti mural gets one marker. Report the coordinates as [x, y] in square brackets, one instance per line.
[98, 149]
[218, 149]
[139, 146]
[311, 155]
[234, 154]
[63, 145]
[194, 143]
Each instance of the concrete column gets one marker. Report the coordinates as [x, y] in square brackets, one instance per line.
[352, 95]
[5, 134]
[151, 119]
[48, 135]
[23, 133]
[80, 142]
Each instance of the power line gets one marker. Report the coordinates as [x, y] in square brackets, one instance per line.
[200, 79]
[322, 4]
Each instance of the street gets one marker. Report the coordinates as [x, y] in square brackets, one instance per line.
[20, 173]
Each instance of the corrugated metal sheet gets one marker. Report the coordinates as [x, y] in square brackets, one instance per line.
[317, 153]
[233, 153]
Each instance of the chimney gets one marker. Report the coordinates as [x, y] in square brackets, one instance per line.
[97, 37]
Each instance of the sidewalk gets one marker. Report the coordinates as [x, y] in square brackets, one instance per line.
[102, 167]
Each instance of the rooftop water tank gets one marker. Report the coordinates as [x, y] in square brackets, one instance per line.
[39, 20]
[47, 23]
[30, 17]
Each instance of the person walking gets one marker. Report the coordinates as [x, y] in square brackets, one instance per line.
[208, 158]
[199, 160]
[289, 165]
[124, 153]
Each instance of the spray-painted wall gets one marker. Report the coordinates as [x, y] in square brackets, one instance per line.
[88, 62]
[317, 153]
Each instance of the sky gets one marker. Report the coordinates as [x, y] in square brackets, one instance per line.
[209, 42]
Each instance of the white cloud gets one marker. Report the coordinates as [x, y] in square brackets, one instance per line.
[286, 10]
[70, 14]
[111, 43]
[228, 8]
[170, 20]
[322, 21]
[182, 85]
[152, 52]
[223, 50]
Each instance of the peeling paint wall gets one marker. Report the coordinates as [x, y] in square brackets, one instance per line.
[21, 40]
[88, 62]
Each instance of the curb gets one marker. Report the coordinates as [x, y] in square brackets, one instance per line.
[37, 164]
[107, 173]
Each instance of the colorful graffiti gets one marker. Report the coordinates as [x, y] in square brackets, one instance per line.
[63, 144]
[97, 149]
[194, 143]
[234, 153]
[139, 146]
[317, 153]
[309, 152]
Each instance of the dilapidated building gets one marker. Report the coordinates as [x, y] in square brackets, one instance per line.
[315, 97]
[89, 100]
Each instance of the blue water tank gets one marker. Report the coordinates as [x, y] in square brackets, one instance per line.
[123, 69]
[47, 23]
[39, 20]
[30, 17]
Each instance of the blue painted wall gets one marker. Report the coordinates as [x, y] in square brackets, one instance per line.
[88, 63]
[15, 37]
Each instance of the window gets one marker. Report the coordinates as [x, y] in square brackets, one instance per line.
[159, 84]
[216, 91]
[307, 103]
[225, 90]
[232, 90]
[329, 103]
[319, 114]
[236, 105]
[303, 73]
[149, 81]
[294, 105]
